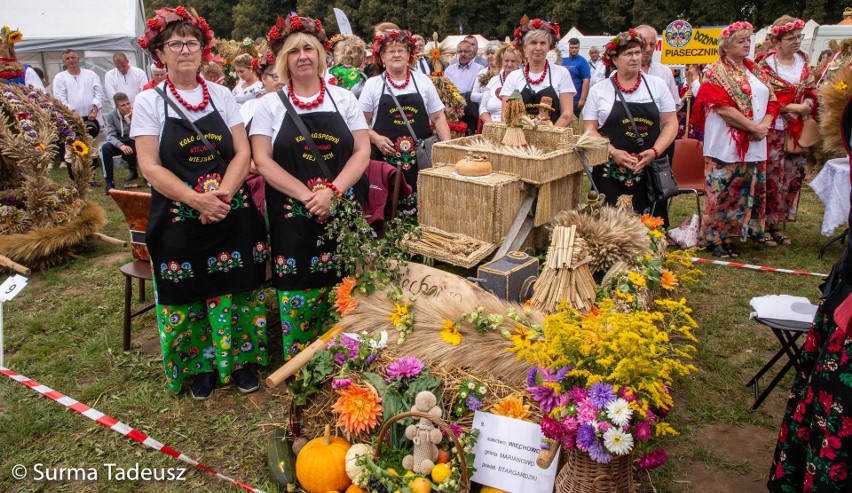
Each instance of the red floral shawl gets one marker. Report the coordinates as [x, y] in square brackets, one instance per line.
[726, 85]
[788, 93]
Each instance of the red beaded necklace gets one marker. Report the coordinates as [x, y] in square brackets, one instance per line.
[632, 89]
[309, 105]
[191, 107]
[399, 86]
[540, 79]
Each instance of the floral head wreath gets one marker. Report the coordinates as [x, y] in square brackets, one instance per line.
[260, 62]
[10, 36]
[535, 24]
[736, 27]
[285, 26]
[621, 39]
[167, 15]
[399, 35]
[779, 31]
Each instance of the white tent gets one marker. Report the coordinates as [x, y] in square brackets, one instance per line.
[572, 33]
[96, 29]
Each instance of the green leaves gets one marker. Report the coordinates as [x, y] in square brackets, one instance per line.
[310, 378]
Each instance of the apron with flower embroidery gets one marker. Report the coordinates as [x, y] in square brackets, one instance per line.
[389, 124]
[613, 180]
[301, 257]
[193, 261]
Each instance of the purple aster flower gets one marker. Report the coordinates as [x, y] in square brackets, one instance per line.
[531, 377]
[653, 459]
[372, 357]
[405, 367]
[545, 396]
[586, 435]
[473, 403]
[340, 383]
[560, 375]
[551, 428]
[601, 394]
[339, 359]
[598, 454]
[642, 430]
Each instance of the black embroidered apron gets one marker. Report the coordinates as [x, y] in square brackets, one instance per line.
[301, 257]
[193, 261]
[532, 98]
[613, 180]
[389, 124]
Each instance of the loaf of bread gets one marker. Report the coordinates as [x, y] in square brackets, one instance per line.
[473, 165]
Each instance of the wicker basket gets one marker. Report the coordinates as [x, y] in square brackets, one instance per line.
[557, 196]
[547, 138]
[482, 207]
[580, 474]
[464, 484]
[445, 253]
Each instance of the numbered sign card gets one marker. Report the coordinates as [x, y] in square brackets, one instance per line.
[505, 455]
[12, 287]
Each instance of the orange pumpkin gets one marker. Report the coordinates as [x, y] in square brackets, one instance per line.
[321, 464]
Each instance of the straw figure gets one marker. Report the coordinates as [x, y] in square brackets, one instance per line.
[544, 111]
[41, 222]
[424, 434]
[515, 115]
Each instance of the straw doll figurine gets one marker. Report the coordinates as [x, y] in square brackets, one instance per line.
[544, 111]
[424, 435]
[515, 115]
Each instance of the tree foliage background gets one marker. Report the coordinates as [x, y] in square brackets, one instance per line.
[497, 19]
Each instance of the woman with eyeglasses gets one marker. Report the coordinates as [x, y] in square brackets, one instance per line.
[391, 140]
[735, 108]
[794, 86]
[206, 238]
[653, 110]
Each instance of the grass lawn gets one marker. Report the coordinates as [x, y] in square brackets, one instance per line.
[64, 330]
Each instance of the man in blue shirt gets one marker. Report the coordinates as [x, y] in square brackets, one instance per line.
[578, 67]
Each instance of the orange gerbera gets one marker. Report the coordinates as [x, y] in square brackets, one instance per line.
[435, 53]
[668, 280]
[512, 407]
[345, 303]
[652, 222]
[359, 408]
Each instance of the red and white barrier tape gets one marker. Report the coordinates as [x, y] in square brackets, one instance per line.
[756, 267]
[117, 426]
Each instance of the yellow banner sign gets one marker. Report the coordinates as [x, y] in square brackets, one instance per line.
[682, 44]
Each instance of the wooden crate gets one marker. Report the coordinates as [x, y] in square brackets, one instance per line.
[559, 159]
[481, 208]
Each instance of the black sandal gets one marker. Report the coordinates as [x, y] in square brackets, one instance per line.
[732, 252]
[780, 239]
[720, 251]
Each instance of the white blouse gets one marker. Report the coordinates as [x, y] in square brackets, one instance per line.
[717, 137]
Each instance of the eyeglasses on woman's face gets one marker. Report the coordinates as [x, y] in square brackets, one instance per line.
[176, 45]
[631, 54]
[271, 75]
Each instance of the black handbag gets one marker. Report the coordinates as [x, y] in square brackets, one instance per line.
[659, 177]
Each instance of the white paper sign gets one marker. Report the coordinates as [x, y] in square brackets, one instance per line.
[342, 22]
[505, 455]
[12, 287]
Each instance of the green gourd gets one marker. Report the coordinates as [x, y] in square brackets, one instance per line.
[281, 459]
